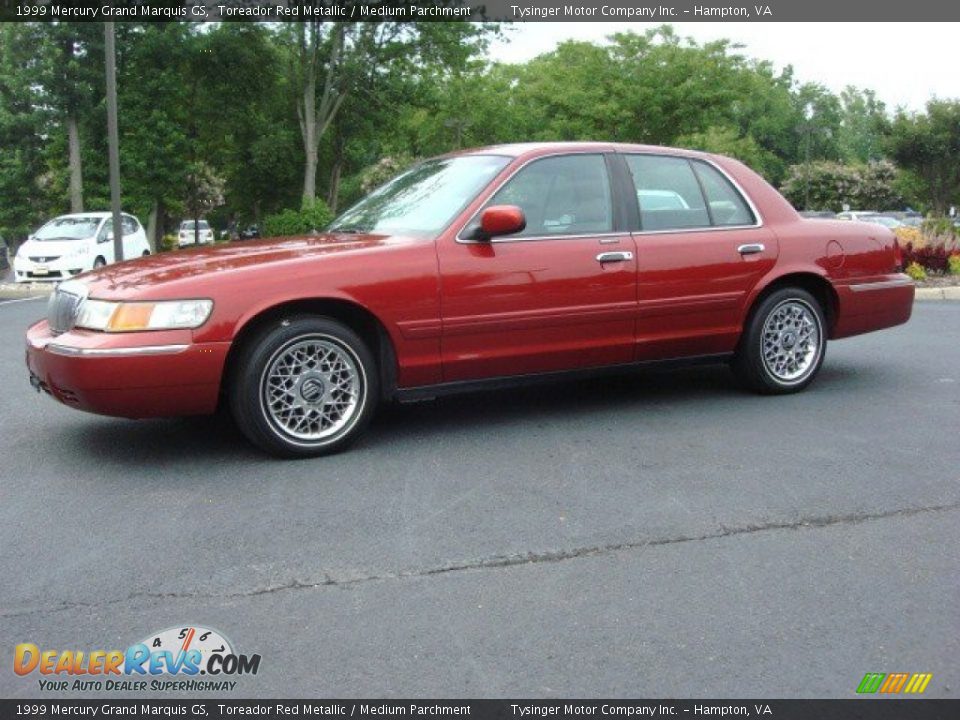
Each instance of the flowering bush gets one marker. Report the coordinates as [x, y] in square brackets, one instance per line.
[829, 185]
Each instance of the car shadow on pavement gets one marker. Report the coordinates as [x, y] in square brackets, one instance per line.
[215, 438]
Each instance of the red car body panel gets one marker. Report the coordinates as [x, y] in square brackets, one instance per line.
[457, 311]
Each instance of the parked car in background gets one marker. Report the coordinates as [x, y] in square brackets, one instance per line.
[71, 244]
[818, 214]
[193, 233]
[910, 218]
[250, 232]
[870, 217]
[484, 268]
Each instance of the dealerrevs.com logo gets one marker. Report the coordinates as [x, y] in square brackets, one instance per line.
[190, 658]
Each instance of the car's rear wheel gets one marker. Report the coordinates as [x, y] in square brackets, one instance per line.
[783, 345]
[304, 386]
[99, 263]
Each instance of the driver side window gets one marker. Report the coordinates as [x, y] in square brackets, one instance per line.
[565, 195]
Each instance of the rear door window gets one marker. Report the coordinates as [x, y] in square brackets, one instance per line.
[677, 193]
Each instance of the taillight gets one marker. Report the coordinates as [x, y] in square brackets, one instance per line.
[897, 256]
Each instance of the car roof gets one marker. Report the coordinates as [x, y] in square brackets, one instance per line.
[516, 150]
[99, 215]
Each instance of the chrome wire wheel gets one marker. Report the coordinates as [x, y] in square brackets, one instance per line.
[791, 342]
[312, 389]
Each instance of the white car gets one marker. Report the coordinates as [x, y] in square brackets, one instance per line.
[71, 244]
[187, 236]
[870, 216]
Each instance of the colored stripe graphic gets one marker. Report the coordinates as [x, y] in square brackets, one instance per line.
[894, 683]
[918, 683]
[870, 683]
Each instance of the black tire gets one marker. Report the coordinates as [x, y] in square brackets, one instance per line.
[99, 263]
[145, 253]
[269, 354]
[756, 354]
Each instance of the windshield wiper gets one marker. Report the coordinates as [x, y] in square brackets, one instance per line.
[348, 230]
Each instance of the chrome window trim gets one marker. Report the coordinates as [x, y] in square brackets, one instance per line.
[712, 228]
[72, 351]
[709, 228]
[528, 238]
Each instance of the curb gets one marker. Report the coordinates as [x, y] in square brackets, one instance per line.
[938, 293]
[12, 291]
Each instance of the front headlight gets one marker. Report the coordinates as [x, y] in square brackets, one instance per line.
[132, 316]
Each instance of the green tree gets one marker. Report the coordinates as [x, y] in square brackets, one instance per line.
[928, 146]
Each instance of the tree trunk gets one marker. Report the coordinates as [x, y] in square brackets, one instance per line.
[316, 118]
[333, 193]
[76, 169]
[152, 237]
[256, 213]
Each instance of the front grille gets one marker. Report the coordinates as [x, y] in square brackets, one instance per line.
[47, 259]
[63, 309]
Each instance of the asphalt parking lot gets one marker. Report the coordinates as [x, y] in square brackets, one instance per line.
[654, 535]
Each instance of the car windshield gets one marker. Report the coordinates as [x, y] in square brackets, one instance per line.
[68, 228]
[188, 225]
[423, 200]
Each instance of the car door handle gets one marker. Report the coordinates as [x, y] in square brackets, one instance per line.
[751, 249]
[606, 257]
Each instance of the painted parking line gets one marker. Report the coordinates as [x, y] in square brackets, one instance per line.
[11, 301]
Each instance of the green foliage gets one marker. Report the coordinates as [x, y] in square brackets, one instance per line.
[915, 271]
[726, 141]
[311, 218]
[928, 145]
[830, 185]
[953, 264]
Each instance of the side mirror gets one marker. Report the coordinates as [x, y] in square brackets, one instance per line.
[501, 220]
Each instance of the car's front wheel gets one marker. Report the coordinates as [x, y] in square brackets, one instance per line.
[304, 386]
[783, 345]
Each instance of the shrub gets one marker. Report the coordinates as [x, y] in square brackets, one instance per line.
[939, 226]
[310, 218]
[930, 257]
[383, 170]
[953, 264]
[167, 243]
[916, 272]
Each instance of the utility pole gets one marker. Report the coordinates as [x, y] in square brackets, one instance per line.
[113, 138]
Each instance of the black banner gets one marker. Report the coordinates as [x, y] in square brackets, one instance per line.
[865, 709]
[454, 10]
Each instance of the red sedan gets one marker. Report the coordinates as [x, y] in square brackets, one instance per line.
[480, 268]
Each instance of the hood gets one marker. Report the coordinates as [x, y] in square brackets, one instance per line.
[163, 275]
[50, 248]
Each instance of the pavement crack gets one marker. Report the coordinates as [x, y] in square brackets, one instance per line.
[499, 561]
